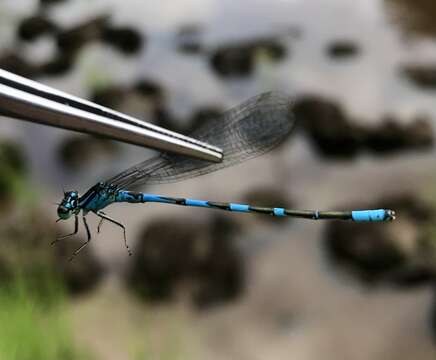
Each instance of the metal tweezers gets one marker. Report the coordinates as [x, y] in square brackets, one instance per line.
[24, 99]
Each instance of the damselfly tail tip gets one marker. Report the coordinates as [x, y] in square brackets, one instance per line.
[390, 215]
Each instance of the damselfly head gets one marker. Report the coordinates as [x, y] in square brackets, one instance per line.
[69, 205]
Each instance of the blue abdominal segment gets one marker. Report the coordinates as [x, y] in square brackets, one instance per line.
[369, 215]
[192, 202]
[279, 212]
[239, 207]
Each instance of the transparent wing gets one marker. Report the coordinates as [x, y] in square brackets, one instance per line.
[244, 132]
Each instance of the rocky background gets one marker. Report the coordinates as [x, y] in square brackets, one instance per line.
[209, 285]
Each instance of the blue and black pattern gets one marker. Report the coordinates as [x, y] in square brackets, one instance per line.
[249, 130]
[360, 215]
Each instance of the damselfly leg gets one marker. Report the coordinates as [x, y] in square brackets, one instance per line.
[100, 223]
[103, 217]
[88, 239]
[76, 229]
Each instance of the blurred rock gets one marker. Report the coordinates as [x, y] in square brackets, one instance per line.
[111, 96]
[25, 240]
[201, 116]
[189, 39]
[433, 315]
[396, 253]
[392, 136]
[220, 273]
[164, 256]
[201, 258]
[327, 127]
[414, 17]
[334, 135]
[72, 150]
[16, 64]
[61, 64]
[144, 99]
[150, 89]
[35, 26]
[411, 276]
[51, 2]
[13, 168]
[12, 156]
[124, 39]
[148, 92]
[6, 191]
[84, 272]
[341, 49]
[274, 50]
[387, 137]
[239, 60]
[72, 40]
[162, 117]
[26, 251]
[422, 76]
[233, 62]
[268, 197]
[420, 133]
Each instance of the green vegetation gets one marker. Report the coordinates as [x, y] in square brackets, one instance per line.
[33, 317]
[32, 328]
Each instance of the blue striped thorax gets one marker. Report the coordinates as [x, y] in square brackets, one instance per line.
[98, 197]
[95, 199]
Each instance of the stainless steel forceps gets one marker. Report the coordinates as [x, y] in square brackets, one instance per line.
[25, 99]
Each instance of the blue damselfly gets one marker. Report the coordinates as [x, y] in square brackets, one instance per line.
[244, 132]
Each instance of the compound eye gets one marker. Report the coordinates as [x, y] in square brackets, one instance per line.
[63, 210]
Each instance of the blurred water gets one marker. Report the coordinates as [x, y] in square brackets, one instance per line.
[289, 275]
[368, 85]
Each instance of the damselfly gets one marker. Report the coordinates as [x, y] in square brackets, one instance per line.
[244, 132]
